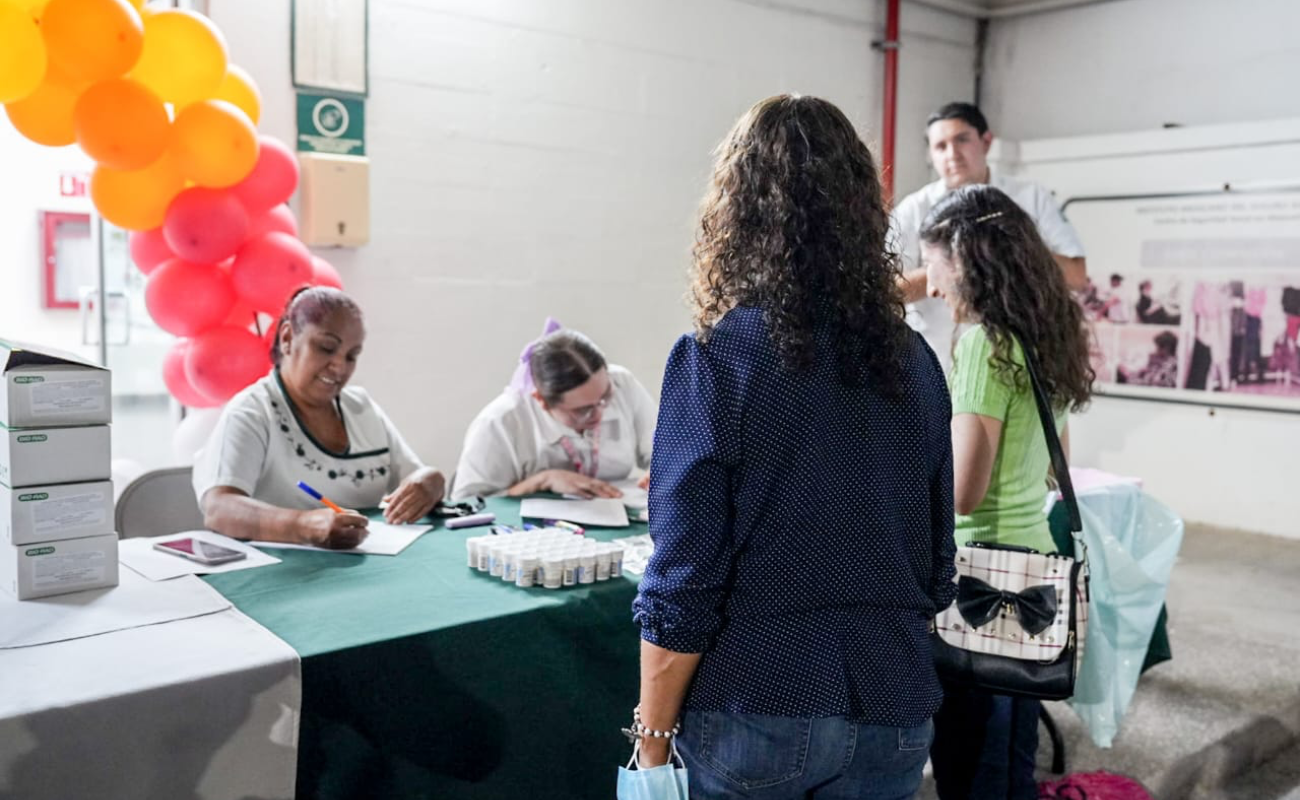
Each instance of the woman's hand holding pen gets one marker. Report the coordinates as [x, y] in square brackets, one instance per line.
[337, 530]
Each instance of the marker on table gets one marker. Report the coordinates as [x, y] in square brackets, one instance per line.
[328, 502]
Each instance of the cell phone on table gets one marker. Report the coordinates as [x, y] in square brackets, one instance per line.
[198, 550]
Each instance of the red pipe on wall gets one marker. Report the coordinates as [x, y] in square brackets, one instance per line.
[890, 46]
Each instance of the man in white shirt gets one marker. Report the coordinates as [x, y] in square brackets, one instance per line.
[959, 141]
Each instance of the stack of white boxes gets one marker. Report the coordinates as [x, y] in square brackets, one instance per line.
[56, 496]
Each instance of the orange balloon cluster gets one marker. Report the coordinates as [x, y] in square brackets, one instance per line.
[150, 95]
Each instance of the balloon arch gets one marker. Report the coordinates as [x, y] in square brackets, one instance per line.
[150, 95]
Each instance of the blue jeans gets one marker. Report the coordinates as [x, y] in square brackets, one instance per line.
[766, 758]
[985, 746]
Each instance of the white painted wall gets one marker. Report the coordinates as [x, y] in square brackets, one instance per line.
[532, 158]
[1227, 467]
[31, 185]
[1136, 64]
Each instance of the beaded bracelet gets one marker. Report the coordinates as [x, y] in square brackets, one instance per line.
[640, 731]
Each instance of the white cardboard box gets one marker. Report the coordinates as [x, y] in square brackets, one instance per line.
[41, 456]
[28, 571]
[43, 387]
[56, 512]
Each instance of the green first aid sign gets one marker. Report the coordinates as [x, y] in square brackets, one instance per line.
[331, 123]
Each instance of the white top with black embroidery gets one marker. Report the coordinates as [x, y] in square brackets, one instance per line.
[262, 449]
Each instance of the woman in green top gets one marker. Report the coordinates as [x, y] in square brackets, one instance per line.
[984, 257]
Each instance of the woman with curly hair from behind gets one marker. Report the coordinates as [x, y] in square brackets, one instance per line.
[801, 486]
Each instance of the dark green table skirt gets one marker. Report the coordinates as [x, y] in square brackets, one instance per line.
[425, 679]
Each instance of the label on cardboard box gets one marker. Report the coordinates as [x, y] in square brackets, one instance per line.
[76, 511]
[52, 569]
[45, 569]
[82, 395]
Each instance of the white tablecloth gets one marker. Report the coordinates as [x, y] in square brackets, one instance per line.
[204, 708]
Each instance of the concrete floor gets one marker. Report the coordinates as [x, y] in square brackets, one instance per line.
[1222, 719]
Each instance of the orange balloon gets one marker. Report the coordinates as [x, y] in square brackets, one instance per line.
[45, 116]
[239, 89]
[34, 7]
[184, 58]
[121, 124]
[136, 200]
[93, 39]
[23, 54]
[214, 144]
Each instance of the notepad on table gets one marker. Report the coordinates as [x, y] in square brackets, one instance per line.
[600, 513]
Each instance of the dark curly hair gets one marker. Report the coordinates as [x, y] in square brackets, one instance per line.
[1009, 283]
[794, 223]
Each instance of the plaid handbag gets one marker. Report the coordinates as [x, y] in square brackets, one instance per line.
[1020, 618]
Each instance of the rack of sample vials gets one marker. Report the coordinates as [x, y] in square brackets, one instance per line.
[550, 558]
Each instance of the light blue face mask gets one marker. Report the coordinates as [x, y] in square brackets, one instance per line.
[656, 783]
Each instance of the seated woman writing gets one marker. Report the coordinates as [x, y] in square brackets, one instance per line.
[303, 423]
[569, 423]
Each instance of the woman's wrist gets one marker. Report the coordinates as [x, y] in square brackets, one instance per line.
[541, 482]
[433, 482]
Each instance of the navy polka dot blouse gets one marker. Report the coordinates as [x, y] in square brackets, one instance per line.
[803, 529]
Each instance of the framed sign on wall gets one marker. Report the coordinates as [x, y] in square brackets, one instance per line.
[1195, 297]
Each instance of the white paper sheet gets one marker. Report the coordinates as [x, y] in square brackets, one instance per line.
[134, 602]
[384, 540]
[140, 555]
[602, 513]
[634, 497]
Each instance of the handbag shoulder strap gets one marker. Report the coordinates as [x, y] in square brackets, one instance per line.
[1060, 465]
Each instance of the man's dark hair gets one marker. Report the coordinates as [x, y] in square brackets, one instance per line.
[968, 113]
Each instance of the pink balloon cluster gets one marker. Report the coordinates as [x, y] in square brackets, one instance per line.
[222, 258]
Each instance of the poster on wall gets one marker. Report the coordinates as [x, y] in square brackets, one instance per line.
[1195, 297]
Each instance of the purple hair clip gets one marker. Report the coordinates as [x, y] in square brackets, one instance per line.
[522, 381]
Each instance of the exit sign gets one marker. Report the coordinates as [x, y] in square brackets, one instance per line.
[73, 184]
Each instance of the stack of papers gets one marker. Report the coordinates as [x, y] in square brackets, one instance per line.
[602, 513]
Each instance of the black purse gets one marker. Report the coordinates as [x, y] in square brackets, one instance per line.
[1019, 622]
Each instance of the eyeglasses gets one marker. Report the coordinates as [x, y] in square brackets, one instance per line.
[585, 414]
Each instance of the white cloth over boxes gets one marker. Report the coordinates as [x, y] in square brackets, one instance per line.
[135, 602]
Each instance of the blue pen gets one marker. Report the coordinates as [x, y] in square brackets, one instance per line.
[328, 502]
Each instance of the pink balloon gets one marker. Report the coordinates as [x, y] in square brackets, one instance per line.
[279, 219]
[272, 180]
[224, 360]
[241, 315]
[203, 226]
[178, 384]
[149, 249]
[186, 299]
[268, 269]
[324, 274]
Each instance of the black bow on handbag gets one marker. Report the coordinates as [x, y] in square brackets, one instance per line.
[979, 602]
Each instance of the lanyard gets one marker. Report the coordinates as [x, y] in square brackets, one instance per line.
[577, 460]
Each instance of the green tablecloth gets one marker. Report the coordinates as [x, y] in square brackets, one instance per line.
[423, 678]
